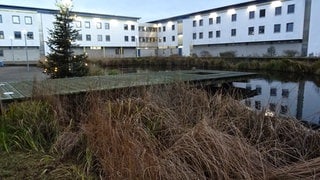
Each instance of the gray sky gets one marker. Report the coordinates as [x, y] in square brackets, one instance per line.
[146, 9]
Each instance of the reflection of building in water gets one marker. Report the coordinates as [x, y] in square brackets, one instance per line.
[292, 99]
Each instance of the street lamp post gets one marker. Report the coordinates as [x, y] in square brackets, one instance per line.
[26, 48]
[11, 39]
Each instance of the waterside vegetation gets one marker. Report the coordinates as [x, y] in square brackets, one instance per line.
[282, 64]
[167, 132]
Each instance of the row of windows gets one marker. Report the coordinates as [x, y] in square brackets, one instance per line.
[251, 31]
[262, 14]
[273, 91]
[16, 19]
[107, 38]
[272, 106]
[87, 25]
[147, 29]
[18, 35]
[173, 27]
[147, 39]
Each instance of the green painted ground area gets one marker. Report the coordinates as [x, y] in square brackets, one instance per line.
[25, 89]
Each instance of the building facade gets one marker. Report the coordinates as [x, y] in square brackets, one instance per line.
[24, 32]
[246, 29]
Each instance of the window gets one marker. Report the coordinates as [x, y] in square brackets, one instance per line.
[133, 39]
[201, 35]
[210, 34]
[99, 25]
[277, 28]
[194, 23]
[194, 36]
[261, 29]
[273, 92]
[218, 34]
[79, 37]
[159, 29]
[133, 27]
[17, 35]
[99, 37]
[28, 20]
[106, 26]
[87, 24]
[251, 31]
[210, 21]
[234, 17]
[1, 35]
[278, 11]
[284, 109]
[248, 102]
[257, 105]
[118, 51]
[285, 93]
[272, 107]
[289, 27]
[173, 38]
[290, 8]
[164, 39]
[0, 18]
[233, 32]
[201, 22]
[173, 27]
[88, 37]
[218, 20]
[251, 14]
[126, 27]
[262, 13]
[258, 89]
[30, 35]
[159, 40]
[163, 28]
[15, 19]
[78, 24]
[108, 38]
[126, 38]
[1, 53]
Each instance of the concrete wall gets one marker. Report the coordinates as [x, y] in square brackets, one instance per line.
[106, 52]
[247, 50]
[19, 54]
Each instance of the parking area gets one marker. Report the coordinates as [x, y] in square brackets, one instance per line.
[21, 73]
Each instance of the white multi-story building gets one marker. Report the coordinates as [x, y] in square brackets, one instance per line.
[24, 32]
[248, 29]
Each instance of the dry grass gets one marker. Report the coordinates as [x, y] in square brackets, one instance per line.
[178, 132]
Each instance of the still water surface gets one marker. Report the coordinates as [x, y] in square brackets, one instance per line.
[280, 94]
[297, 97]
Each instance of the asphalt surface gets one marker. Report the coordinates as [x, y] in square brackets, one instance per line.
[21, 73]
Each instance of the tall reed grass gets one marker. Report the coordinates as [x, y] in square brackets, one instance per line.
[166, 132]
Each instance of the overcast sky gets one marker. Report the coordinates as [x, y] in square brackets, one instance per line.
[146, 9]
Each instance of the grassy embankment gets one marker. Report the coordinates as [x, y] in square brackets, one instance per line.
[172, 132]
[293, 65]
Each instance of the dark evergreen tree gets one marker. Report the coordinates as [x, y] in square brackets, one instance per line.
[62, 62]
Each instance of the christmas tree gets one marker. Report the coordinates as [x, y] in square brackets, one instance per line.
[61, 62]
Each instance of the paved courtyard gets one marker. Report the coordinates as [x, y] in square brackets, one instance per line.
[21, 73]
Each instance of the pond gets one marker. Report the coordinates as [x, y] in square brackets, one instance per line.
[279, 94]
[285, 95]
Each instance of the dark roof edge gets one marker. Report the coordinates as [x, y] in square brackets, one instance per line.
[51, 11]
[223, 8]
